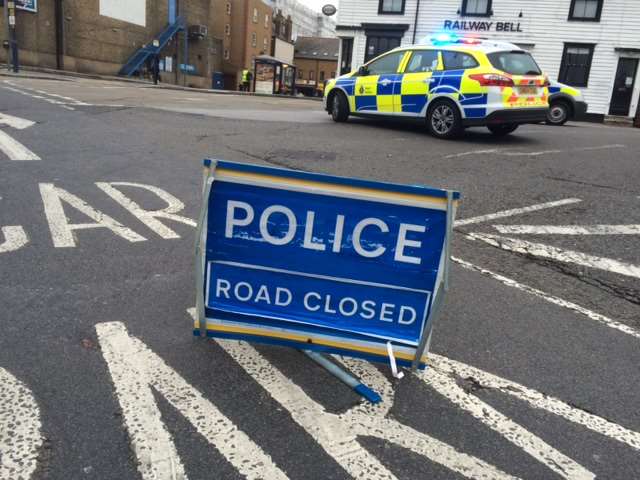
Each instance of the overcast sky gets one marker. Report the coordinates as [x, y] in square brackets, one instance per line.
[317, 4]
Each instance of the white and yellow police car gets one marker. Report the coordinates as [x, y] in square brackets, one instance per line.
[565, 103]
[453, 83]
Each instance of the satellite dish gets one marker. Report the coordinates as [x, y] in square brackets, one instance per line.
[329, 10]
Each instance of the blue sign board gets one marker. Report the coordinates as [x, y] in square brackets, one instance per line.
[28, 5]
[187, 68]
[320, 262]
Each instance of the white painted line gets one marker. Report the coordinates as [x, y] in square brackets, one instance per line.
[472, 152]
[15, 122]
[447, 386]
[14, 149]
[568, 229]
[537, 400]
[63, 232]
[338, 434]
[606, 321]
[20, 429]
[135, 370]
[516, 211]
[149, 217]
[507, 153]
[14, 238]
[558, 254]
[67, 107]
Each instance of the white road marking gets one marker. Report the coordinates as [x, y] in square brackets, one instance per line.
[67, 107]
[508, 153]
[20, 429]
[63, 232]
[149, 217]
[558, 254]
[536, 399]
[569, 229]
[516, 211]
[447, 386]
[550, 298]
[337, 434]
[135, 370]
[14, 238]
[472, 152]
[14, 149]
[15, 122]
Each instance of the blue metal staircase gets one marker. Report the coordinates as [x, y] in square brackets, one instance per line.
[137, 59]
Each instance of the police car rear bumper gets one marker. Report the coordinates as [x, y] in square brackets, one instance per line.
[515, 115]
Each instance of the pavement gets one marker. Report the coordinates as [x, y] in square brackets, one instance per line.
[535, 364]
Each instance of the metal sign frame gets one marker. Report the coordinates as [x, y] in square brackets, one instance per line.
[409, 357]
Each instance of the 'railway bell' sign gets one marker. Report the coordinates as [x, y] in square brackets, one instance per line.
[319, 262]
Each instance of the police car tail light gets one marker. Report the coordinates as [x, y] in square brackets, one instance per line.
[492, 80]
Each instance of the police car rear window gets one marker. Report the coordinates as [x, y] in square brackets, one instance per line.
[458, 60]
[515, 63]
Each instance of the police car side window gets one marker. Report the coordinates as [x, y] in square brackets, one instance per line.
[458, 60]
[387, 64]
[423, 61]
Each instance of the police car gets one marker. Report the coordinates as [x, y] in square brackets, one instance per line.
[453, 83]
[565, 103]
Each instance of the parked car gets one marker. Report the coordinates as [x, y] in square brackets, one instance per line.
[565, 103]
[452, 83]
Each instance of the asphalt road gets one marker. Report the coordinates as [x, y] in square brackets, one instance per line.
[545, 299]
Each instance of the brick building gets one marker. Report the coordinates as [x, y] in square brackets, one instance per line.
[245, 27]
[100, 36]
[316, 59]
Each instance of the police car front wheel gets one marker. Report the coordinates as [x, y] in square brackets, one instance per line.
[444, 120]
[339, 108]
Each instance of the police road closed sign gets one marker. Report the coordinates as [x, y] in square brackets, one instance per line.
[319, 262]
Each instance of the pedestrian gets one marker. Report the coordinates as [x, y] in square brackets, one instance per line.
[246, 80]
[156, 69]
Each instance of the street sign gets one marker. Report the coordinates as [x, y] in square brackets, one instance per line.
[329, 10]
[187, 68]
[28, 5]
[321, 262]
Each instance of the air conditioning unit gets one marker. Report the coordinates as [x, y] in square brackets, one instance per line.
[198, 32]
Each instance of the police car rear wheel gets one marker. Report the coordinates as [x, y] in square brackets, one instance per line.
[503, 129]
[444, 120]
[558, 114]
[339, 108]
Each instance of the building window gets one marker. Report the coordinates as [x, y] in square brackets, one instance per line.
[266, 21]
[576, 64]
[226, 54]
[227, 29]
[254, 39]
[321, 76]
[255, 15]
[585, 10]
[300, 74]
[265, 44]
[476, 8]
[377, 45]
[394, 7]
[228, 8]
[333, 74]
[312, 75]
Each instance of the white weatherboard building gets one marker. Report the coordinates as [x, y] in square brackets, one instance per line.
[593, 45]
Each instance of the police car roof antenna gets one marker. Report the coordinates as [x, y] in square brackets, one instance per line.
[441, 289]
[345, 377]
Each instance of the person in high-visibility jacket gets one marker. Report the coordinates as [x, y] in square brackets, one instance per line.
[246, 80]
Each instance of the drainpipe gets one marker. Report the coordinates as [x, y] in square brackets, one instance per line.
[415, 22]
[59, 35]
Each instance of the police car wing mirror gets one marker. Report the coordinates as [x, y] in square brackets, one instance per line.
[363, 70]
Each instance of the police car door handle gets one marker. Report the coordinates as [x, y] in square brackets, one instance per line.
[385, 82]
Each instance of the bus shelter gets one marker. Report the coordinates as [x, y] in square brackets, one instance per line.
[273, 76]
